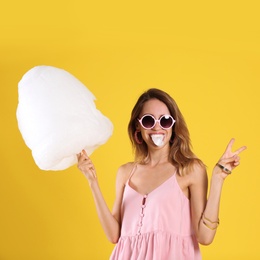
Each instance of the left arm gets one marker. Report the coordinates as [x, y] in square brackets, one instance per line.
[204, 211]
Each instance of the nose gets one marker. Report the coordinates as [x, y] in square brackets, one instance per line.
[157, 124]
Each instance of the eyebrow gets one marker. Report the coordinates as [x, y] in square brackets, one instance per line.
[149, 114]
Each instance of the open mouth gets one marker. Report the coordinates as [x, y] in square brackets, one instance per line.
[157, 139]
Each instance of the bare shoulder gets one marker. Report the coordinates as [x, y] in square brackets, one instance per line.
[124, 172]
[197, 172]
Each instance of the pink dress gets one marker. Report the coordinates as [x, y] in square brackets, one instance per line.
[156, 226]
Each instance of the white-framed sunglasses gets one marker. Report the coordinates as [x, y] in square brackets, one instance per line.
[148, 121]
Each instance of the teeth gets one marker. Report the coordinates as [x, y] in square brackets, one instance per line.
[157, 139]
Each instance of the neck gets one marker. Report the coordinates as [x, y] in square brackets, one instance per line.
[156, 157]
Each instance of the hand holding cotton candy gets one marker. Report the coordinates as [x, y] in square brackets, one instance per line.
[57, 117]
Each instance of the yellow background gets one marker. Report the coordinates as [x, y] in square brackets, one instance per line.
[204, 53]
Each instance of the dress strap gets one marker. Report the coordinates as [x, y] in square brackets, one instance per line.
[132, 172]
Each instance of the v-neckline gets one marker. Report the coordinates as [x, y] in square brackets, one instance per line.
[153, 190]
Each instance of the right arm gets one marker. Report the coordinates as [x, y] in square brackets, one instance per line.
[110, 221]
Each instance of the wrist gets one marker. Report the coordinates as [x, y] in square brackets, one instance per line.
[93, 183]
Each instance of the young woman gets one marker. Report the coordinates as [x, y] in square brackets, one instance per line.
[161, 210]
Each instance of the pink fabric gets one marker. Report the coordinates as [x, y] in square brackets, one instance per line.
[156, 226]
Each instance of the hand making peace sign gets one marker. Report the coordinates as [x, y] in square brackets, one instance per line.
[228, 161]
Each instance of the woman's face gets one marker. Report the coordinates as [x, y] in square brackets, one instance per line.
[156, 136]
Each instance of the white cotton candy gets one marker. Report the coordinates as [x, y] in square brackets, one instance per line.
[57, 117]
[157, 139]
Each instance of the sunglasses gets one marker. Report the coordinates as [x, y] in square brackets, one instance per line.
[149, 121]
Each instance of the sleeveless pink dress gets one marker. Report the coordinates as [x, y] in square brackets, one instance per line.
[156, 226]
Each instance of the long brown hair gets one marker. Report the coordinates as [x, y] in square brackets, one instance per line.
[180, 154]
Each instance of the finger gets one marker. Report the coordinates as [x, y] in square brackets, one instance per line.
[241, 149]
[86, 162]
[81, 157]
[89, 167]
[236, 163]
[230, 144]
[236, 158]
[86, 166]
[85, 153]
[228, 160]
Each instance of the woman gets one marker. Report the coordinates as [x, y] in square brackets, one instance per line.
[161, 209]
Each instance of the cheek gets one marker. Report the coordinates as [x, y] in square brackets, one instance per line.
[144, 134]
[170, 132]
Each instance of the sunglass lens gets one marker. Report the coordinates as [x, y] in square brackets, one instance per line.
[166, 121]
[148, 122]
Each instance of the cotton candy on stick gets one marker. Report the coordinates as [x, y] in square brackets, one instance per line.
[57, 117]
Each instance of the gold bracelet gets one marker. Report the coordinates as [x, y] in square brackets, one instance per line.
[209, 226]
[212, 222]
[224, 169]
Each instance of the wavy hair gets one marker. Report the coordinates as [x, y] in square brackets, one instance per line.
[180, 155]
